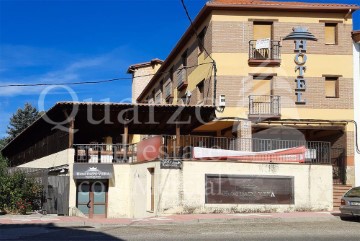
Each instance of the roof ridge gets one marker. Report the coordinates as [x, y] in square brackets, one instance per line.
[278, 2]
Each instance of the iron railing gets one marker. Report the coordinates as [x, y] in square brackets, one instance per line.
[182, 148]
[339, 165]
[105, 153]
[168, 91]
[181, 78]
[267, 105]
[272, 53]
[317, 152]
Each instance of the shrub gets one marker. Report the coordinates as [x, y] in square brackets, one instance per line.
[19, 193]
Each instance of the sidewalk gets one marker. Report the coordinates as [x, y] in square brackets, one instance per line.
[65, 221]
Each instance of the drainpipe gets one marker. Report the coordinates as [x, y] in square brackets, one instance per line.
[215, 70]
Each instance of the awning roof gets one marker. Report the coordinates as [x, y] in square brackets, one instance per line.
[148, 119]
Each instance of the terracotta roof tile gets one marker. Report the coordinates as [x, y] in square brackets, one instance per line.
[279, 3]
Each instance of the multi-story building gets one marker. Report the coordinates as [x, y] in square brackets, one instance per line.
[252, 113]
[267, 94]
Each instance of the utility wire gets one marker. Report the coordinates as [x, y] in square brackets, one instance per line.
[203, 47]
[99, 81]
[195, 30]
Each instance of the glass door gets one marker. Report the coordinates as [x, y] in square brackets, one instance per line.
[99, 199]
[92, 198]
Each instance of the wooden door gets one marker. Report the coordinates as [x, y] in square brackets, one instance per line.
[152, 197]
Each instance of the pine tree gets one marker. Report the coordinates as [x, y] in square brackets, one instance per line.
[21, 120]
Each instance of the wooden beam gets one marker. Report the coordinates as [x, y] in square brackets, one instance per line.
[71, 132]
[126, 134]
[302, 127]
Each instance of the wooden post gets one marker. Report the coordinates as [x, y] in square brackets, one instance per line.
[125, 140]
[71, 132]
[177, 140]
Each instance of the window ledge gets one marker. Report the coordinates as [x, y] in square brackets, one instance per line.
[265, 62]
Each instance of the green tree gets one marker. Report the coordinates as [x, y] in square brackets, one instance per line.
[22, 119]
[3, 143]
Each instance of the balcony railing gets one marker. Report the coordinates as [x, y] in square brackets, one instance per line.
[172, 148]
[271, 55]
[317, 152]
[168, 91]
[264, 106]
[105, 153]
[181, 79]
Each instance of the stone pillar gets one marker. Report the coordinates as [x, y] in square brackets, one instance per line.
[244, 135]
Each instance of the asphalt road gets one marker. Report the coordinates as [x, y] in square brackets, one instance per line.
[249, 230]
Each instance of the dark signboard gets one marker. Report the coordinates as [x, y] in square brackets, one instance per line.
[170, 164]
[231, 189]
[93, 171]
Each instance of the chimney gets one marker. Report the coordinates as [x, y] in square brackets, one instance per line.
[142, 73]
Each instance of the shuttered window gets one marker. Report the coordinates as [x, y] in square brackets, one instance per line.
[262, 30]
[331, 87]
[330, 33]
[262, 85]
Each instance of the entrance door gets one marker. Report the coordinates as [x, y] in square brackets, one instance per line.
[92, 198]
[152, 188]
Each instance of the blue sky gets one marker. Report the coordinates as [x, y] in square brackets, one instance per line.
[56, 41]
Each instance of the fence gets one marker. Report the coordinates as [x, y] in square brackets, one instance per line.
[105, 153]
[316, 152]
[182, 148]
[55, 192]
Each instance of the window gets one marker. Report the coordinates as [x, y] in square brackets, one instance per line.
[332, 87]
[262, 85]
[201, 41]
[171, 74]
[184, 59]
[201, 92]
[262, 30]
[330, 33]
[158, 98]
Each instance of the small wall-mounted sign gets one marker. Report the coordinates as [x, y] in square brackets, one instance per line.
[170, 164]
[93, 171]
[263, 43]
[300, 35]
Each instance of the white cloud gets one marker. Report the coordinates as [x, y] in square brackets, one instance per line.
[91, 68]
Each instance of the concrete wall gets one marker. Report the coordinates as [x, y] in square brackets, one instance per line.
[57, 159]
[183, 191]
[356, 105]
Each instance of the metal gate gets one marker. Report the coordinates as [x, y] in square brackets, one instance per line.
[339, 165]
[56, 195]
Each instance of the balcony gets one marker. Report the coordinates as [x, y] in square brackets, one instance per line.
[183, 148]
[168, 92]
[264, 107]
[104, 153]
[182, 79]
[268, 56]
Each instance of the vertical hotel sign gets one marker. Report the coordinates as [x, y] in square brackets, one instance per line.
[300, 35]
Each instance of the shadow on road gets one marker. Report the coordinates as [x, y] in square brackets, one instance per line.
[51, 232]
[346, 218]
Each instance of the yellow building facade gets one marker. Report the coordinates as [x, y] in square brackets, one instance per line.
[255, 87]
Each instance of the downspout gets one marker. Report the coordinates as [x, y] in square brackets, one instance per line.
[215, 80]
